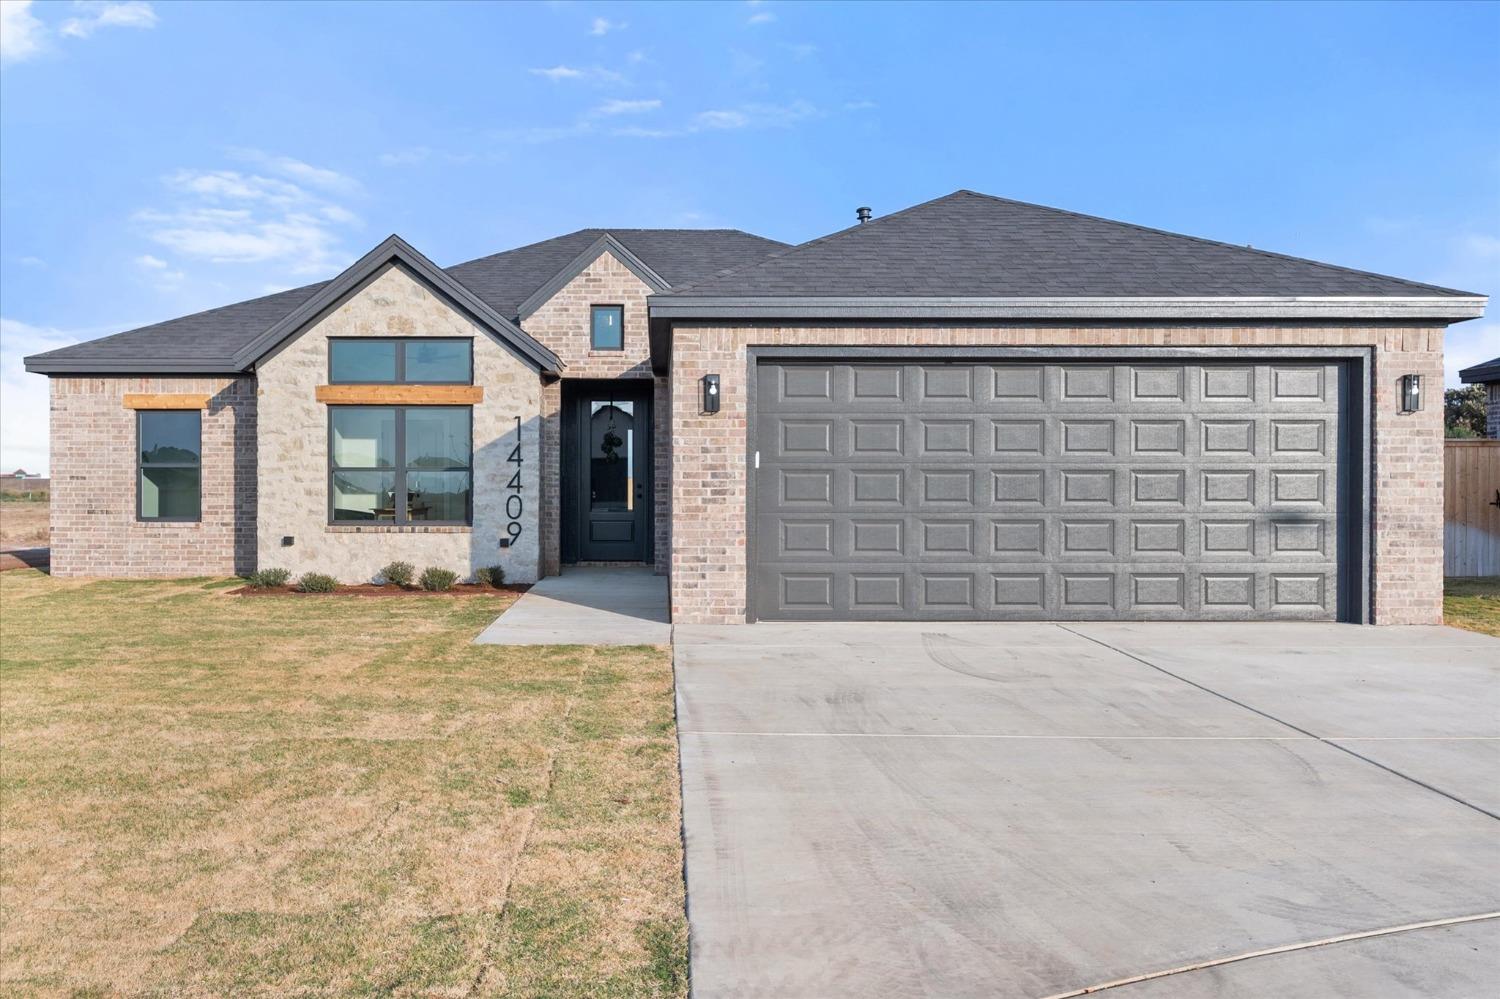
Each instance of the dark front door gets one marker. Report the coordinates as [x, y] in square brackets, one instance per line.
[607, 473]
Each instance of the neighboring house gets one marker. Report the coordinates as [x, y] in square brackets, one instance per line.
[22, 481]
[1488, 375]
[973, 408]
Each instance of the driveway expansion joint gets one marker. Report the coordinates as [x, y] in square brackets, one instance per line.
[1291, 725]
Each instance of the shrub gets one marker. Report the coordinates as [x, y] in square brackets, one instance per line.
[437, 580]
[316, 582]
[491, 575]
[265, 579]
[398, 573]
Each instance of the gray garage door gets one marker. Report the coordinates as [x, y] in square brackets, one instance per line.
[961, 490]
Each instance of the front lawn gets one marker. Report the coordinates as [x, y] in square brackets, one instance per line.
[209, 794]
[1473, 603]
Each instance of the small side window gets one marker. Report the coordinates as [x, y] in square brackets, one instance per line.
[608, 327]
[168, 464]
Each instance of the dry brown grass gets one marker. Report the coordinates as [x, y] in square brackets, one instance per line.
[23, 524]
[205, 794]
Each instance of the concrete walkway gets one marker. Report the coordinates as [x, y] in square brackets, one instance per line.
[624, 605]
[940, 810]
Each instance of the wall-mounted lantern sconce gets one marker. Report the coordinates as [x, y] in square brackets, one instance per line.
[710, 393]
[1411, 393]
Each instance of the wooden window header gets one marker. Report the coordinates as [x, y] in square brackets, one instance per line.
[166, 400]
[400, 395]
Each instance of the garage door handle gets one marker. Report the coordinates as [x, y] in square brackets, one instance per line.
[757, 465]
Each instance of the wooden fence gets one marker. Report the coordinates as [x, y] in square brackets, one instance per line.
[1471, 508]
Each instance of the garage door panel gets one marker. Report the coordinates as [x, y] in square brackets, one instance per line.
[1071, 490]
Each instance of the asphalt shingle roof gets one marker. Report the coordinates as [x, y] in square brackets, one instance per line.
[209, 340]
[1480, 374]
[969, 245]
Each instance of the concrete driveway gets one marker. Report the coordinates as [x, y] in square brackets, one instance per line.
[1028, 810]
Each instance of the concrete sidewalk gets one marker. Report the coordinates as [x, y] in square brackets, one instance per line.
[608, 605]
[1029, 809]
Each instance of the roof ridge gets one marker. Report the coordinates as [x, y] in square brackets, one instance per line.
[1243, 248]
[790, 248]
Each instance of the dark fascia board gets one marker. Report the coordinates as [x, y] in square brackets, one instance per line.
[605, 243]
[1442, 308]
[1480, 374]
[394, 249]
[40, 364]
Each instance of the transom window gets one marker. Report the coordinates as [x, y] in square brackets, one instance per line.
[398, 361]
[400, 464]
[608, 325]
[169, 453]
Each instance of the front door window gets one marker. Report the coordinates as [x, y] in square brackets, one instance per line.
[612, 456]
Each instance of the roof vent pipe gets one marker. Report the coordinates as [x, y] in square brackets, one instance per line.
[863, 214]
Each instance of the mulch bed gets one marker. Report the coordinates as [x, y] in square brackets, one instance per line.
[371, 590]
[26, 558]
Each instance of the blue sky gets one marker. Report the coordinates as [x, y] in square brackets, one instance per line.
[160, 159]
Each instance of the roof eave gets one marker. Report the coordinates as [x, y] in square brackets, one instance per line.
[1446, 309]
[41, 364]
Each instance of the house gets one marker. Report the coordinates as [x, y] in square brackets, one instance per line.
[972, 408]
[1488, 375]
[22, 481]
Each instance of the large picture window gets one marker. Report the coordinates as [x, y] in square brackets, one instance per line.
[402, 361]
[400, 464]
[169, 454]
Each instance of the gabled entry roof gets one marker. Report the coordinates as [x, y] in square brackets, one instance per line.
[227, 340]
[974, 255]
[395, 250]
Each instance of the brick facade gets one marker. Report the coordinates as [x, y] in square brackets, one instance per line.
[708, 564]
[562, 324]
[94, 527]
[293, 447]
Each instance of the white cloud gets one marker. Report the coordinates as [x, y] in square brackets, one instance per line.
[721, 119]
[232, 217]
[302, 173]
[635, 56]
[96, 15]
[613, 107]
[31, 261]
[592, 74]
[152, 263]
[756, 116]
[603, 26]
[759, 15]
[23, 396]
[21, 34]
[801, 50]
[859, 105]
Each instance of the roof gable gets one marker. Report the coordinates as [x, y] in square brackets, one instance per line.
[604, 244]
[395, 250]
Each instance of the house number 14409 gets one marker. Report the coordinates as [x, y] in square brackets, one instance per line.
[514, 504]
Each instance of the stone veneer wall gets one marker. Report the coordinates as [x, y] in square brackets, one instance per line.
[562, 325]
[1492, 410]
[94, 527]
[708, 489]
[293, 446]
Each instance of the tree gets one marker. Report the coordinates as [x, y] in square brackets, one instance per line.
[1463, 411]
